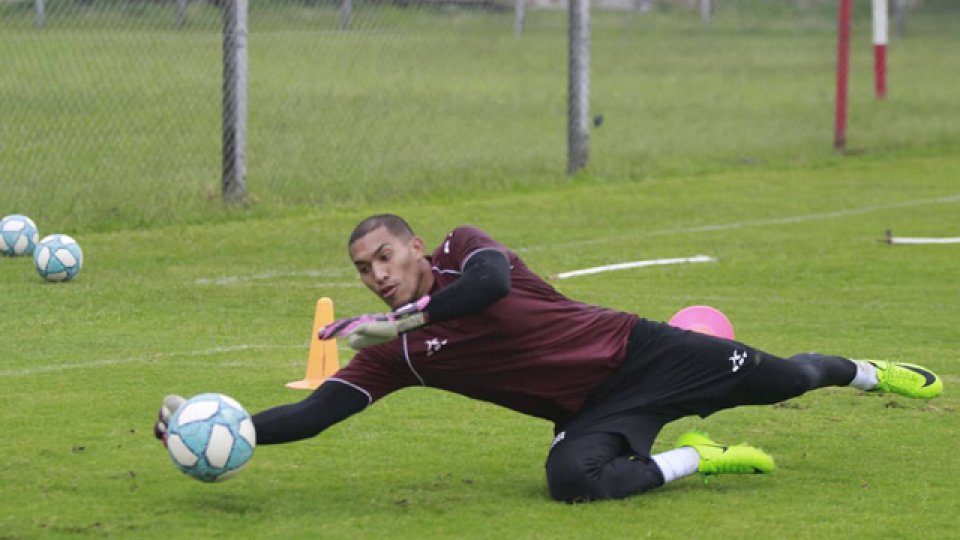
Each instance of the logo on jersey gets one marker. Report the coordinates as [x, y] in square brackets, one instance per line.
[434, 345]
[446, 245]
[560, 436]
[738, 359]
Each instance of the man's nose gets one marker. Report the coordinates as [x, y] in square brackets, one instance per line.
[380, 272]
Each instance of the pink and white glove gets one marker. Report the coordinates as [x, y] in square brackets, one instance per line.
[376, 328]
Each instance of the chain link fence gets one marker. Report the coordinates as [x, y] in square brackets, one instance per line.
[111, 109]
[107, 103]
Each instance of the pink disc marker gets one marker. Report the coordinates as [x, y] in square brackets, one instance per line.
[703, 319]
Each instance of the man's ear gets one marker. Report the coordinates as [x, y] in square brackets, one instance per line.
[417, 245]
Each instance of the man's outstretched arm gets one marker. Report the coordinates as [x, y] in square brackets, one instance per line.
[330, 403]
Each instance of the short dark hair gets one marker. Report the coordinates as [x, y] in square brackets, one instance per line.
[394, 223]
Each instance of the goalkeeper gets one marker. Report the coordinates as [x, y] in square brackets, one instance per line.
[471, 318]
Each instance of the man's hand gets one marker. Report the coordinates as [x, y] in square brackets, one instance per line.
[169, 406]
[376, 328]
[373, 333]
[348, 326]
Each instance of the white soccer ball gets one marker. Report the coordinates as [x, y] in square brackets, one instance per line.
[18, 235]
[58, 257]
[211, 437]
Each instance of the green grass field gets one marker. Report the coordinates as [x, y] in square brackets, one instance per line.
[724, 158]
[799, 268]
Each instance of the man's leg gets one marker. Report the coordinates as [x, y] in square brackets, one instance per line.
[778, 379]
[606, 466]
[599, 466]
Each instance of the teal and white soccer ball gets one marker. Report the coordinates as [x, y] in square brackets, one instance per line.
[18, 235]
[211, 437]
[58, 257]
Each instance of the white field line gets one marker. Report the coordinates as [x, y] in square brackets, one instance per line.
[801, 218]
[148, 358]
[922, 240]
[299, 285]
[267, 276]
[632, 264]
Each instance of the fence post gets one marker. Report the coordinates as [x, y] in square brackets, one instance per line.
[519, 16]
[234, 184]
[40, 15]
[346, 9]
[181, 13]
[900, 16]
[706, 8]
[578, 87]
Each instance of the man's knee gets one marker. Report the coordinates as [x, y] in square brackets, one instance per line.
[579, 471]
[569, 479]
[803, 378]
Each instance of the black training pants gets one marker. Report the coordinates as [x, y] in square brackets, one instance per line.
[603, 465]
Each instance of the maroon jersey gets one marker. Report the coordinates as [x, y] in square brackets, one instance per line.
[534, 351]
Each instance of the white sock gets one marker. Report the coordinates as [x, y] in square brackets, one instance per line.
[677, 463]
[866, 377]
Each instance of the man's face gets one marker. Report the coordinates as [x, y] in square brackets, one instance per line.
[389, 265]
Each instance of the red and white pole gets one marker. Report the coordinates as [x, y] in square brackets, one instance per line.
[843, 68]
[880, 47]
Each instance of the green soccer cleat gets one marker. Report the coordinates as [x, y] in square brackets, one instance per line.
[716, 458]
[907, 380]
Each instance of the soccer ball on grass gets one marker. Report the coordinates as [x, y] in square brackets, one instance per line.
[211, 437]
[18, 235]
[58, 257]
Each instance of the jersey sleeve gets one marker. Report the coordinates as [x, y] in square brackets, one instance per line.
[377, 371]
[462, 242]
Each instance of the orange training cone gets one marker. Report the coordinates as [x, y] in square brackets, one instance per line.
[323, 360]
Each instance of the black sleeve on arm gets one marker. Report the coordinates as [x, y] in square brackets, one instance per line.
[330, 403]
[485, 279]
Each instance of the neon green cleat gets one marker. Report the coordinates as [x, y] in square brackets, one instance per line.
[716, 458]
[907, 380]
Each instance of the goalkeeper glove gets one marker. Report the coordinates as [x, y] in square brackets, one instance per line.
[169, 406]
[376, 328]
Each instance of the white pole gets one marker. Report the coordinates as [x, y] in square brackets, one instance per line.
[632, 264]
[891, 239]
[234, 180]
[880, 33]
[706, 8]
[880, 38]
[40, 15]
[923, 240]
